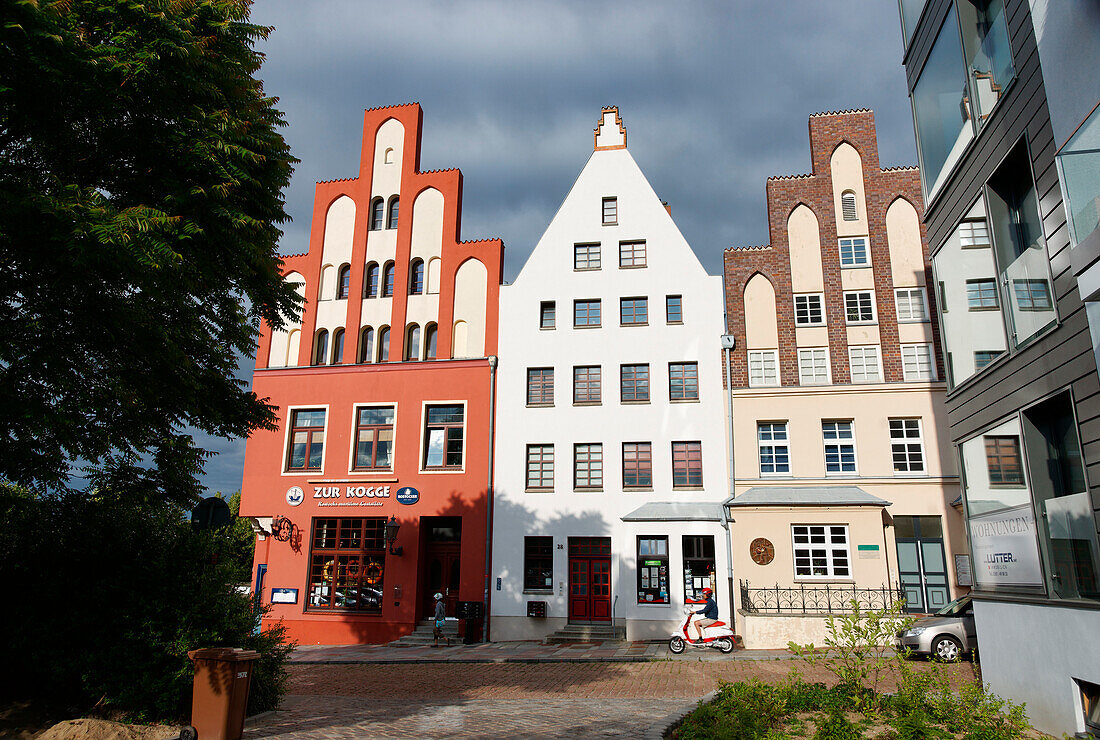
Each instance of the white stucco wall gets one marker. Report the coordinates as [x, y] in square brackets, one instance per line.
[671, 269]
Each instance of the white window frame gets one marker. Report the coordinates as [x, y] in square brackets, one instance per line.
[760, 357]
[527, 460]
[974, 234]
[874, 307]
[909, 294]
[853, 263]
[862, 348]
[287, 433]
[613, 201]
[915, 353]
[352, 470]
[828, 549]
[849, 206]
[811, 353]
[424, 470]
[839, 427]
[806, 297]
[771, 443]
[902, 442]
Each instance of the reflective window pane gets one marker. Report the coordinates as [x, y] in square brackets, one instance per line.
[910, 14]
[988, 57]
[1080, 163]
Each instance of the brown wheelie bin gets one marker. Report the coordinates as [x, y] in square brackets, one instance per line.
[220, 699]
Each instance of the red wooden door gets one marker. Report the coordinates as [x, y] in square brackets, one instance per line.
[600, 578]
[443, 571]
[589, 589]
[579, 599]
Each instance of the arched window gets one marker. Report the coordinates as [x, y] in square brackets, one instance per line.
[387, 280]
[384, 344]
[376, 208]
[388, 157]
[416, 277]
[433, 274]
[337, 346]
[392, 220]
[848, 206]
[429, 341]
[343, 282]
[412, 343]
[327, 290]
[320, 348]
[370, 285]
[366, 345]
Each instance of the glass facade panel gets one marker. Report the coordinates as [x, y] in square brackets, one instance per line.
[941, 107]
[910, 14]
[1080, 164]
[988, 56]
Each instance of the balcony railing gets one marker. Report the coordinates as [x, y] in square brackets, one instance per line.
[809, 599]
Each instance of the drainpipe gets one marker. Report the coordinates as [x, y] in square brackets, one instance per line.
[489, 493]
[728, 343]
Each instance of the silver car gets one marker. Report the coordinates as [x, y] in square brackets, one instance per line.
[946, 635]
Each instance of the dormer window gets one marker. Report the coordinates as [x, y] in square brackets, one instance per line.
[610, 211]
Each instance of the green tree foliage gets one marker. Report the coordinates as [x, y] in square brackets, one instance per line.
[107, 600]
[240, 541]
[141, 172]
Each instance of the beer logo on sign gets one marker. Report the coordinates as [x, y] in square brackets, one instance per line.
[295, 495]
[407, 495]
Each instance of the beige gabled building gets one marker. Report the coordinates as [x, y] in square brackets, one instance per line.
[844, 482]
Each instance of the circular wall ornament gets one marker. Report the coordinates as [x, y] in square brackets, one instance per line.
[295, 495]
[762, 551]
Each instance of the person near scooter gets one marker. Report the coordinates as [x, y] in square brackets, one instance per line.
[710, 615]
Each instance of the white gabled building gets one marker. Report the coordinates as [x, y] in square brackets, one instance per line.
[610, 448]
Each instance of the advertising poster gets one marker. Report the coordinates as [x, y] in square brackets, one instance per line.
[1006, 549]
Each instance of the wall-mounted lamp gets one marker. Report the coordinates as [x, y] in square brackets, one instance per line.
[392, 526]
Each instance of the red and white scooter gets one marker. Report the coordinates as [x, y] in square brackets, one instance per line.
[717, 635]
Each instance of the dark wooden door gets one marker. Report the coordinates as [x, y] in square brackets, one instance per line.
[442, 576]
[589, 589]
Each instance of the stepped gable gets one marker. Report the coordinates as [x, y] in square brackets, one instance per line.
[390, 107]
[337, 179]
[609, 132]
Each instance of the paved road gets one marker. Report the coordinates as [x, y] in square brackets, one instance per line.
[556, 700]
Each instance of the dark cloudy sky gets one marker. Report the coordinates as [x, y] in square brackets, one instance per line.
[714, 96]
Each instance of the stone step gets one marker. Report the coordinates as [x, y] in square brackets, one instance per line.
[587, 633]
[424, 634]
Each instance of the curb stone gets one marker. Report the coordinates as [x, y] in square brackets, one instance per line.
[660, 730]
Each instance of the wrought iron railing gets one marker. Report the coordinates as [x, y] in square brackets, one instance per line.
[813, 599]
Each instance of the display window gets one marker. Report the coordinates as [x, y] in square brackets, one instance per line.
[653, 570]
[698, 567]
[347, 565]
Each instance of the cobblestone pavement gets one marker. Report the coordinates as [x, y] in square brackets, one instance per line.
[460, 700]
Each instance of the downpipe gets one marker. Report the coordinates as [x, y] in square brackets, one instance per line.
[489, 494]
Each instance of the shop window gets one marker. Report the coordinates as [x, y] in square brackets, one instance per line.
[653, 570]
[631, 254]
[377, 207]
[773, 448]
[911, 304]
[942, 107]
[809, 310]
[916, 362]
[763, 367]
[538, 563]
[320, 348]
[859, 307]
[586, 256]
[637, 465]
[610, 211]
[864, 364]
[343, 281]
[547, 318]
[813, 366]
[370, 285]
[1079, 163]
[840, 447]
[540, 386]
[907, 445]
[586, 313]
[633, 311]
[683, 381]
[307, 440]
[338, 347]
[374, 438]
[634, 382]
[540, 467]
[391, 221]
[854, 253]
[698, 551]
[965, 269]
[586, 384]
[821, 551]
[1020, 247]
[444, 433]
[416, 277]
[687, 464]
[674, 309]
[588, 466]
[1067, 526]
[347, 565]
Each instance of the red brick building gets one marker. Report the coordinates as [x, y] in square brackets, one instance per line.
[371, 495]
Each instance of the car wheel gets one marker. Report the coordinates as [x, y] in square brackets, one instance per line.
[946, 648]
[724, 644]
[677, 645]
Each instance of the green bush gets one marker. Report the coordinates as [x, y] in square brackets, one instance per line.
[111, 596]
[836, 726]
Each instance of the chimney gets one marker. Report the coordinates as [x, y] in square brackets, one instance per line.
[667, 206]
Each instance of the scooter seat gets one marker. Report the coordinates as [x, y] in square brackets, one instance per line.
[717, 624]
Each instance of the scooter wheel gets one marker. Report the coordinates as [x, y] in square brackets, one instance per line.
[677, 645]
[724, 644]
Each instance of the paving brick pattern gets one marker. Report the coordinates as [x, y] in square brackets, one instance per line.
[541, 700]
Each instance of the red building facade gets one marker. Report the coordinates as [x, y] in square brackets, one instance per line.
[384, 396]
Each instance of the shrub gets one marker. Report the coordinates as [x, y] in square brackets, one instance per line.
[836, 726]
